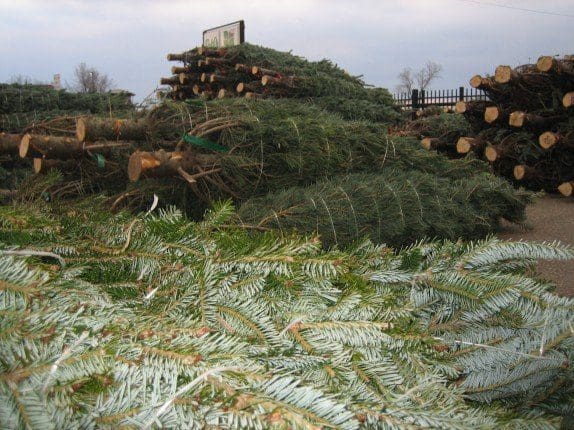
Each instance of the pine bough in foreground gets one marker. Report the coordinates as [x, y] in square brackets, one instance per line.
[174, 324]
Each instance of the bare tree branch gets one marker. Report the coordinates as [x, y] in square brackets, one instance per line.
[420, 79]
[90, 80]
[427, 74]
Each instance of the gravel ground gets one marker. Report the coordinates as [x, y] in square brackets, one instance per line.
[550, 218]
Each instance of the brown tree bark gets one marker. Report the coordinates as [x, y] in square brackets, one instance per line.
[548, 139]
[243, 68]
[253, 87]
[174, 80]
[523, 172]
[9, 143]
[284, 81]
[91, 129]
[63, 148]
[521, 119]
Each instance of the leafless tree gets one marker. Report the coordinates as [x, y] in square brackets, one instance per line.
[88, 79]
[420, 79]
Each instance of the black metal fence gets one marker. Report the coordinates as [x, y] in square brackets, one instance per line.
[420, 99]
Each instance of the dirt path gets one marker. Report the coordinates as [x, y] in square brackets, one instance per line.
[551, 218]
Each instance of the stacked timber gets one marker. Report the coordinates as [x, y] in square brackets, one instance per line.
[526, 129]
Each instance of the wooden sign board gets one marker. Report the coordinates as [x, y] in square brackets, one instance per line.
[224, 35]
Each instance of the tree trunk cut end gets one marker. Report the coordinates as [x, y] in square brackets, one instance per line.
[491, 153]
[545, 63]
[519, 171]
[24, 145]
[548, 139]
[460, 107]
[503, 74]
[517, 119]
[566, 189]
[463, 145]
[81, 129]
[426, 143]
[476, 81]
[491, 114]
[568, 99]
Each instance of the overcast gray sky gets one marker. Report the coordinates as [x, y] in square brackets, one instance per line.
[128, 39]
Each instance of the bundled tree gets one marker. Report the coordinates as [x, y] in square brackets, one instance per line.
[393, 207]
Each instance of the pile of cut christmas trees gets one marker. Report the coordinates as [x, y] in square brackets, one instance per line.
[526, 129]
[22, 105]
[43, 109]
[255, 72]
[287, 163]
[112, 320]
[115, 321]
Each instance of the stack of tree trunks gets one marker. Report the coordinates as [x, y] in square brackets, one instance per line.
[526, 129]
[211, 73]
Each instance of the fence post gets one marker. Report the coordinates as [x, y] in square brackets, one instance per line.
[414, 102]
[461, 93]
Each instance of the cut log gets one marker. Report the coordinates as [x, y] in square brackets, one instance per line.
[202, 66]
[284, 81]
[62, 148]
[568, 99]
[521, 119]
[548, 139]
[188, 56]
[242, 68]
[248, 86]
[434, 143]
[466, 144]
[252, 96]
[91, 129]
[33, 146]
[44, 165]
[260, 71]
[460, 107]
[523, 172]
[210, 52]
[222, 93]
[496, 152]
[566, 188]
[161, 164]
[427, 142]
[9, 143]
[495, 114]
[187, 78]
[174, 80]
[220, 79]
[198, 89]
[484, 84]
[176, 70]
[505, 74]
[549, 64]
